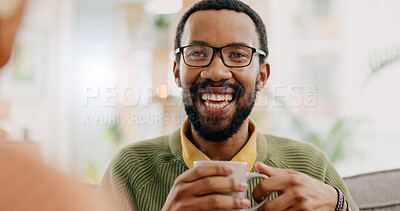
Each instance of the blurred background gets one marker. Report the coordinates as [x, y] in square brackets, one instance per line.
[90, 76]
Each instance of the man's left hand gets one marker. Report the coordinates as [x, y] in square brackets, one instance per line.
[296, 191]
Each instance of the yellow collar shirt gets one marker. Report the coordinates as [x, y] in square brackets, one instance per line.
[247, 154]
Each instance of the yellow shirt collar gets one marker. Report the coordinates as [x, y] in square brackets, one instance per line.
[247, 154]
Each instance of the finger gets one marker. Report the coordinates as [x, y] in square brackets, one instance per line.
[270, 171]
[206, 171]
[272, 184]
[219, 184]
[218, 202]
[293, 209]
[282, 202]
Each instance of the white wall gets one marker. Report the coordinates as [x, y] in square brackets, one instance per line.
[94, 68]
[371, 27]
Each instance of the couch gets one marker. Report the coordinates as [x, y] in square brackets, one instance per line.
[376, 191]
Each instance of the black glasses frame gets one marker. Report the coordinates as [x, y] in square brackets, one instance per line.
[254, 50]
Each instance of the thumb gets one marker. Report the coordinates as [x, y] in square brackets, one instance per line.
[267, 170]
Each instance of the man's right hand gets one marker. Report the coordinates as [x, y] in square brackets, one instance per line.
[196, 189]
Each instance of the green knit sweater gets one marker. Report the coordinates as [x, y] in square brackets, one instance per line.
[141, 175]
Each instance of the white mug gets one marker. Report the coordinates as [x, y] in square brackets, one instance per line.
[240, 173]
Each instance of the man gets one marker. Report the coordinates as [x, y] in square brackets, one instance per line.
[221, 47]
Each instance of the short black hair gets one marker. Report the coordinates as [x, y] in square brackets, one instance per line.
[234, 5]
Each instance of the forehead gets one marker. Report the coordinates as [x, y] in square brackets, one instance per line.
[219, 28]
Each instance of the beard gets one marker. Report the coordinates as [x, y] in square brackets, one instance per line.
[212, 128]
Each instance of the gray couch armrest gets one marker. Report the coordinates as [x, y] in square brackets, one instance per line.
[376, 191]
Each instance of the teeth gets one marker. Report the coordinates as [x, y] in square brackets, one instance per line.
[216, 106]
[217, 97]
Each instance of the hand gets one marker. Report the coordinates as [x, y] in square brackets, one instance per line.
[196, 189]
[296, 191]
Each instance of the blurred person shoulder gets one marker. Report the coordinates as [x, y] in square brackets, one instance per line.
[28, 184]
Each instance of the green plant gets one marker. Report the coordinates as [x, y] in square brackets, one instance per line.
[334, 143]
[382, 58]
[91, 174]
[337, 140]
[113, 133]
[162, 21]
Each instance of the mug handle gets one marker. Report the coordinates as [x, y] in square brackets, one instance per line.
[251, 176]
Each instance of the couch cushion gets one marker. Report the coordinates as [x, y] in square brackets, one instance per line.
[376, 191]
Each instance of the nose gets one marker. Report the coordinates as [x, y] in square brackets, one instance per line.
[216, 71]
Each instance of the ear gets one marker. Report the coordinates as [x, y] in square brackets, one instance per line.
[177, 74]
[263, 76]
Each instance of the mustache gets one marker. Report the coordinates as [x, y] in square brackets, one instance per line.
[239, 89]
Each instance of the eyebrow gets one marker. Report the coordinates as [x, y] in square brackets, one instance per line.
[199, 42]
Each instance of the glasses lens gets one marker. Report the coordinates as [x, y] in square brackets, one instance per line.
[197, 55]
[237, 56]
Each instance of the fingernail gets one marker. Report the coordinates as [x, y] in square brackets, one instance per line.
[243, 186]
[228, 169]
[245, 202]
[263, 164]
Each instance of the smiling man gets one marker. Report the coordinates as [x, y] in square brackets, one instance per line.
[221, 47]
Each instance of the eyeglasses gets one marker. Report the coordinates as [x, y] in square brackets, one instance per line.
[231, 55]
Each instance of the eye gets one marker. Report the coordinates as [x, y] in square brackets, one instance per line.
[238, 55]
[197, 54]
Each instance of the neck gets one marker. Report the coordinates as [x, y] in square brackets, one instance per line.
[222, 150]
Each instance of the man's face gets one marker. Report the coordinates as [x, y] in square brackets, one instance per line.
[217, 98]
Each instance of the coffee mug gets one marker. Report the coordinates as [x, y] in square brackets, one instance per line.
[240, 173]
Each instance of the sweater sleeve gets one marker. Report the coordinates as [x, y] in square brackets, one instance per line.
[114, 187]
[333, 179]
